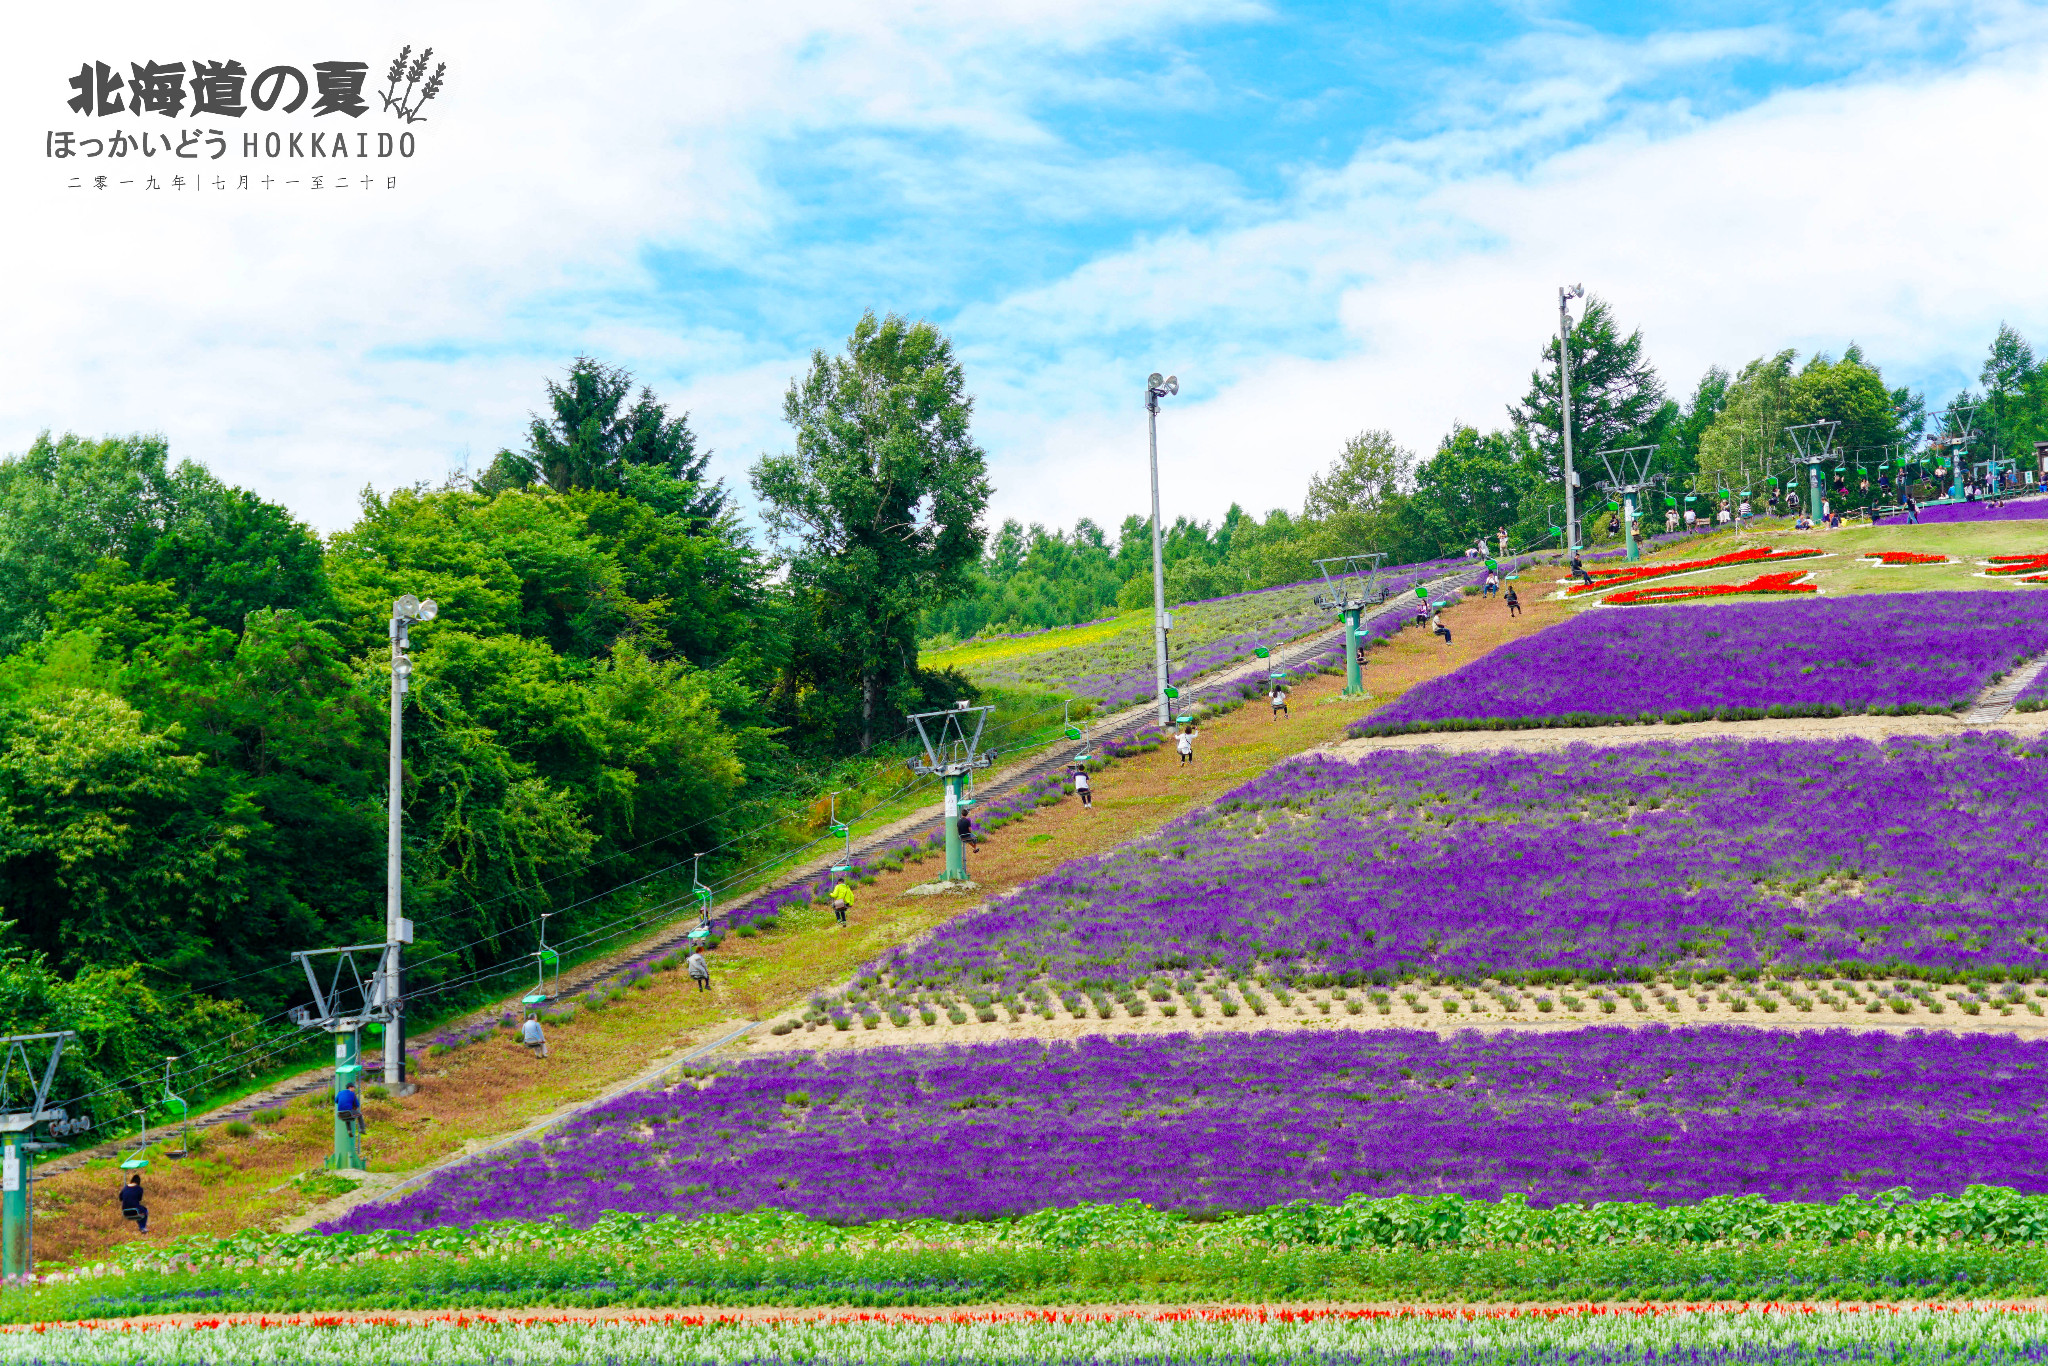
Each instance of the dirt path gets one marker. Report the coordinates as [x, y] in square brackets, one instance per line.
[1448, 1010]
[2027, 725]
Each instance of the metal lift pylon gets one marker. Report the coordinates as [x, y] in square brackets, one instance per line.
[951, 754]
[17, 1232]
[1815, 442]
[343, 1007]
[1351, 586]
[1628, 474]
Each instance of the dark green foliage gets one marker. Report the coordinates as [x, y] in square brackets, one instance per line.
[880, 509]
[67, 503]
[592, 439]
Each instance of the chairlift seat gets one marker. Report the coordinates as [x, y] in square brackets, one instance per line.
[701, 932]
[1173, 692]
[1261, 651]
[1073, 732]
[136, 1163]
[537, 999]
[1184, 719]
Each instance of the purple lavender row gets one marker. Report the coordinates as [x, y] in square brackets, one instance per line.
[1248, 1121]
[1596, 862]
[2018, 510]
[1897, 653]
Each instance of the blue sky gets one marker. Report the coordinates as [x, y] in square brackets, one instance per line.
[1325, 218]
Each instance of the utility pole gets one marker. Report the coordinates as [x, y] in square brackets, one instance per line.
[1564, 400]
[1157, 388]
[397, 929]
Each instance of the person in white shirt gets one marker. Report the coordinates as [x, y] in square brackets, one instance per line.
[1086, 793]
[533, 1038]
[1279, 701]
[1186, 745]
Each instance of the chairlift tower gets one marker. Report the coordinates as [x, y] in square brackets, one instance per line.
[952, 751]
[25, 1103]
[343, 1007]
[1815, 442]
[1628, 474]
[1351, 584]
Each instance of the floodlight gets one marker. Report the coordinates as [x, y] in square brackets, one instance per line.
[1154, 380]
[405, 607]
[428, 609]
[1172, 384]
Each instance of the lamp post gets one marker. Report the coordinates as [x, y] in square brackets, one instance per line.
[1564, 408]
[397, 929]
[1157, 388]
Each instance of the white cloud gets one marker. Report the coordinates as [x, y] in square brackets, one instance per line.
[306, 347]
[1898, 213]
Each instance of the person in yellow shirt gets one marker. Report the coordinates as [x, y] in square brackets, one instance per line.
[842, 900]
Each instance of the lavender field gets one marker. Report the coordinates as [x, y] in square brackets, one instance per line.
[1662, 856]
[1897, 653]
[2031, 508]
[1248, 1121]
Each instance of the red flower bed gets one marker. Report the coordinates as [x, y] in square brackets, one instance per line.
[1767, 583]
[1903, 557]
[1604, 579]
[2034, 567]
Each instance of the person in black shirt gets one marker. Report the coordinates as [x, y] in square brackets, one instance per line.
[131, 1203]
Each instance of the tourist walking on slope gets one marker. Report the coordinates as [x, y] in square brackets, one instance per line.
[699, 970]
[1186, 744]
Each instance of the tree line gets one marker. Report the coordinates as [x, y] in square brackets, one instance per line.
[1723, 442]
[193, 687]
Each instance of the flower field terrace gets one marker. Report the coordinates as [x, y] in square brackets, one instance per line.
[1919, 856]
[1252, 1121]
[1896, 653]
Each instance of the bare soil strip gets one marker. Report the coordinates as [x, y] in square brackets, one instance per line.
[2029, 726]
[1446, 1011]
